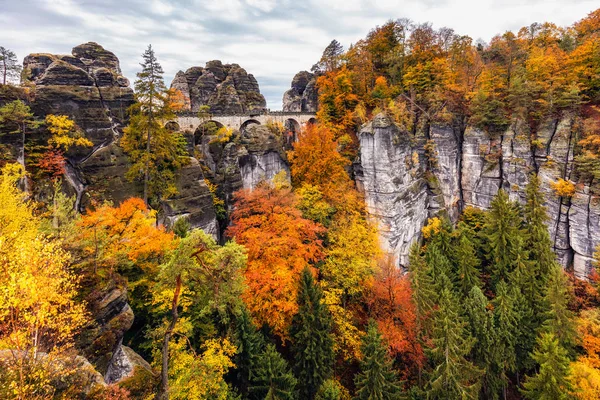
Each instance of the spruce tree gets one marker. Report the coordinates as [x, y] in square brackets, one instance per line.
[156, 152]
[559, 320]
[453, 376]
[272, 379]
[484, 353]
[441, 267]
[467, 264]
[504, 236]
[506, 320]
[377, 379]
[312, 342]
[249, 344]
[423, 294]
[538, 238]
[332, 390]
[551, 382]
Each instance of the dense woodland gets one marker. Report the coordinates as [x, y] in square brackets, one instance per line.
[300, 302]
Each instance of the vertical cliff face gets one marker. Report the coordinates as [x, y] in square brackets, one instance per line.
[469, 170]
[392, 178]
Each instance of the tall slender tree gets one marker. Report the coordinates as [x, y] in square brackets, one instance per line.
[155, 151]
[551, 382]
[250, 345]
[484, 352]
[507, 325]
[559, 319]
[453, 376]
[312, 342]
[467, 264]
[423, 295]
[504, 236]
[9, 65]
[377, 379]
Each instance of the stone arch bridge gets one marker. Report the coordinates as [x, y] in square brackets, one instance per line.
[293, 121]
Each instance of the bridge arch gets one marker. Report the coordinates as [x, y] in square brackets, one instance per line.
[206, 128]
[247, 123]
[292, 130]
[311, 121]
[173, 126]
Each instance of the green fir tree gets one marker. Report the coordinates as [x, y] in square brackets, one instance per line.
[272, 378]
[312, 342]
[377, 379]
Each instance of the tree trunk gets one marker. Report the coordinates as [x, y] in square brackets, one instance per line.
[163, 393]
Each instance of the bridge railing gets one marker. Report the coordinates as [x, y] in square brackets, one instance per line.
[248, 114]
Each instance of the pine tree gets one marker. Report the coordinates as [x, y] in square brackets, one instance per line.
[467, 264]
[453, 377]
[484, 352]
[559, 320]
[377, 379]
[272, 379]
[504, 236]
[155, 151]
[551, 382]
[330, 59]
[332, 390]
[507, 325]
[250, 345]
[312, 342]
[9, 65]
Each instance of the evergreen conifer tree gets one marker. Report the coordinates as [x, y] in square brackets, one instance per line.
[272, 377]
[156, 152]
[484, 353]
[250, 345]
[559, 320]
[377, 379]
[467, 264]
[507, 328]
[423, 294]
[9, 65]
[453, 376]
[551, 382]
[504, 236]
[441, 267]
[312, 342]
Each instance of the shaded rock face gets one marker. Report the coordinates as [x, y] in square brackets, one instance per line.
[470, 170]
[123, 365]
[225, 89]
[303, 96]
[257, 154]
[88, 87]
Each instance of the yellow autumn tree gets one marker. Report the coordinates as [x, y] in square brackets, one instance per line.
[39, 314]
[65, 133]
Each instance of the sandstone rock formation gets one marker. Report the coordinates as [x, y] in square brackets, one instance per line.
[225, 89]
[402, 190]
[303, 96]
[88, 86]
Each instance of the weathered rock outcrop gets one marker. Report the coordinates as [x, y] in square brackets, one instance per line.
[402, 188]
[254, 155]
[303, 96]
[88, 86]
[225, 89]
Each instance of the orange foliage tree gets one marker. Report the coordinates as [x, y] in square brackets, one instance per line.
[391, 305]
[280, 243]
[117, 237]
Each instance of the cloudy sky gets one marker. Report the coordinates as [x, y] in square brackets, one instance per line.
[272, 39]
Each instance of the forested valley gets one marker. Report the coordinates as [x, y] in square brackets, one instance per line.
[293, 296]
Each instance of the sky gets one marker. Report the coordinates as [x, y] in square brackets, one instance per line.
[271, 39]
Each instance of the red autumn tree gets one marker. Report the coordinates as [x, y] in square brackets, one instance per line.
[391, 305]
[280, 245]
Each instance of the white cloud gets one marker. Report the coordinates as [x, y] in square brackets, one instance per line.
[272, 39]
